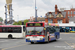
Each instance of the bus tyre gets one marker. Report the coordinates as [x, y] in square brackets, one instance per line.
[48, 39]
[32, 42]
[10, 36]
[56, 38]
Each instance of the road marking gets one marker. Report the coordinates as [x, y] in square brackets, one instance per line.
[0, 47]
[64, 33]
[67, 43]
[4, 41]
[67, 33]
[14, 46]
[20, 42]
[60, 38]
[73, 43]
[8, 40]
[73, 46]
[13, 39]
[72, 38]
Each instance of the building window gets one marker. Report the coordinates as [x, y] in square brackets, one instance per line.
[68, 16]
[68, 12]
[49, 15]
[71, 12]
[59, 21]
[71, 16]
[74, 16]
[74, 12]
[59, 15]
[50, 21]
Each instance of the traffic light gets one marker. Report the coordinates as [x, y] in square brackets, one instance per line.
[22, 23]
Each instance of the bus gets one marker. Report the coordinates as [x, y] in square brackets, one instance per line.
[67, 27]
[41, 32]
[12, 31]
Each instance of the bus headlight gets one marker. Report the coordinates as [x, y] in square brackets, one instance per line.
[28, 38]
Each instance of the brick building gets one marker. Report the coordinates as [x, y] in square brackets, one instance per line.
[39, 19]
[57, 16]
[70, 13]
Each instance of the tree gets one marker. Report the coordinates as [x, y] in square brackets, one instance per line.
[25, 21]
[15, 23]
[19, 23]
[1, 19]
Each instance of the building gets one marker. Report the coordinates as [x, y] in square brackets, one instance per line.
[71, 19]
[56, 17]
[70, 13]
[39, 19]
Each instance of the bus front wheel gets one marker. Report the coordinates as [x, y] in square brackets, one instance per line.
[48, 39]
[32, 42]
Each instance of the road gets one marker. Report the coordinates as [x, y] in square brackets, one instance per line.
[66, 42]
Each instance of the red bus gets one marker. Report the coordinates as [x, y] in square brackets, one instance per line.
[41, 32]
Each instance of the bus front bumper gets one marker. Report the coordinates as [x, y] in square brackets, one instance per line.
[43, 40]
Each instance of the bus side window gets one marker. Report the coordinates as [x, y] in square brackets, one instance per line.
[4, 29]
[57, 29]
[52, 30]
[0, 29]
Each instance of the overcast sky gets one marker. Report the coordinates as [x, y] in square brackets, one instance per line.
[23, 9]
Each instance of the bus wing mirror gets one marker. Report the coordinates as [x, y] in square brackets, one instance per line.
[44, 28]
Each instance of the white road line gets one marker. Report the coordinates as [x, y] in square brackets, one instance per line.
[0, 47]
[14, 46]
[4, 41]
[13, 39]
[60, 38]
[8, 40]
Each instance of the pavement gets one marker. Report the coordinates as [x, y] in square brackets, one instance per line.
[66, 42]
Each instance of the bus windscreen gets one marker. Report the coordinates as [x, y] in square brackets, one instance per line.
[34, 24]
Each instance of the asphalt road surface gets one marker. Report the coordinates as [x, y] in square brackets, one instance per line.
[66, 42]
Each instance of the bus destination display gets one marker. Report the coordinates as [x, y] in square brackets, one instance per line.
[35, 24]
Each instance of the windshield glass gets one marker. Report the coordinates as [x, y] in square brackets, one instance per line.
[35, 31]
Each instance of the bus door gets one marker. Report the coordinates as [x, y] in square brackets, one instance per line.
[47, 34]
[52, 31]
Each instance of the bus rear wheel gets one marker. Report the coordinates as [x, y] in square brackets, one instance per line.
[10, 36]
[56, 38]
[32, 42]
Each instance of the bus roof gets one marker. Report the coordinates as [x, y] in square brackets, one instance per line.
[10, 25]
[35, 22]
[50, 24]
[67, 25]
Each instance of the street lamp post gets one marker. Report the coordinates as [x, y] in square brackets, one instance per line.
[35, 12]
[10, 13]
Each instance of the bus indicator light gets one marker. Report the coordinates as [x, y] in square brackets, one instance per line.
[43, 36]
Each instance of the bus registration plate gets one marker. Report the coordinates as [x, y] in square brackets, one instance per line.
[34, 36]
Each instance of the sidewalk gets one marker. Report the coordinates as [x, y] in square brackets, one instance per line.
[65, 32]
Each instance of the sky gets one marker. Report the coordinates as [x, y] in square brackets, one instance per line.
[24, 9]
